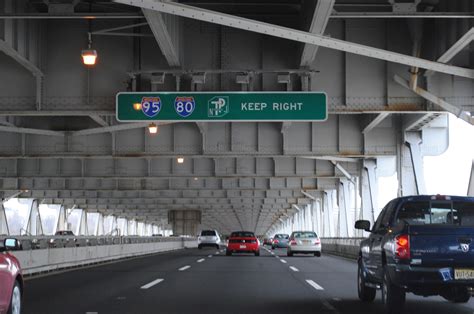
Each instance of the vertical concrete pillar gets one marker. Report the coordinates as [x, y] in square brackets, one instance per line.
[83, 229]
[414, 140]
[344, 220]
[99, 230]
[328, 226]
[470, 188]
[318, 217]
[185, 222]
[62, 220]
[34, 226]
[406, 176]
[3, 221]
[369, 190]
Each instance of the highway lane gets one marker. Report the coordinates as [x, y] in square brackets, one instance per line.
[201, 281]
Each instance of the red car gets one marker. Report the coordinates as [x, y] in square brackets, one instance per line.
[243, 242]
[11, 280]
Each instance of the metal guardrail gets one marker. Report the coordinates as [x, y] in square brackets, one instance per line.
[45, 242]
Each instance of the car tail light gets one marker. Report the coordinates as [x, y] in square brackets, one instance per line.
[317, 241]
[402, 246]
[293, 242]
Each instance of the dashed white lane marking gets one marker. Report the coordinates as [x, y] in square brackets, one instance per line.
[92, 312]
[184, 268]
[283, 261]
[273, 253]
[217, 253]
[329, 306]
[201, 260]
[210, 256]
[294, 268]
[314, 285]
[277, 256]
[151, 284]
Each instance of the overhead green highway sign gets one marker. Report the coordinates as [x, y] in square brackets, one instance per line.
[225, 106]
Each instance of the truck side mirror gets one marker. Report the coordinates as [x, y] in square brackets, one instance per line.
[363, 225]
[12, 244]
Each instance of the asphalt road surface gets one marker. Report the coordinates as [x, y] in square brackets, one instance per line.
[207, 281]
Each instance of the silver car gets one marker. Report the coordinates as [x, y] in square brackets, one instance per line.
[209, 238]
[306, 242]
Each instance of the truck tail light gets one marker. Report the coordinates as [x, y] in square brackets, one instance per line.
[402, 246]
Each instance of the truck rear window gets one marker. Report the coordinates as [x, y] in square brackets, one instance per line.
[437, 212]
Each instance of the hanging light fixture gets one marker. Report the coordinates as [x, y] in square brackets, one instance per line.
[153, 128]
[89, 55]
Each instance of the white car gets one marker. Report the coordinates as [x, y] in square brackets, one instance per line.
[209, 238]
[306, 242]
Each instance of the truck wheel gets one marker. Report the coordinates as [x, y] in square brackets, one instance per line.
[366, 294]
[393, 297]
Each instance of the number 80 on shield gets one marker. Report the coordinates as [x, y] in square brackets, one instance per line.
[184, 106]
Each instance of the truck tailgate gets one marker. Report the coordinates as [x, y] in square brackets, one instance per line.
[442, 245]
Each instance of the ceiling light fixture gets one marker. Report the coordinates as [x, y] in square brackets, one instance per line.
[180, 160]
[153, 128]
[89, 55]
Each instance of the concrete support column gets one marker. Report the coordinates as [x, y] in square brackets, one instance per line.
[414, 140]
[126, 229]
[406, 176]
[34, 226]
[99, 230]
[345, 219]
[318, 216]
[470, 188]
[83, 229]
[3, 221]
[327, 204]
[369, 190]
[185, 222]
[62, 220]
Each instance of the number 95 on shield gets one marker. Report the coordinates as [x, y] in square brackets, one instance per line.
[184, 106]
[151, 106]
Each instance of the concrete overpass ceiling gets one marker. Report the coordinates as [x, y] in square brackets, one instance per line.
[62, 144]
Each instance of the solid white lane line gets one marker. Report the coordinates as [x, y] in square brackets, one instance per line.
[314, 285]
[151, 284]
[283, 261]
[294, 268]
[184, 268]
[200, 260]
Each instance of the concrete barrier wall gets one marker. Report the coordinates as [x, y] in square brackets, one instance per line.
[342, 247]
[46, 260]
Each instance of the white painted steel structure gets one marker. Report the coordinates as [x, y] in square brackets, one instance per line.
[60, 143]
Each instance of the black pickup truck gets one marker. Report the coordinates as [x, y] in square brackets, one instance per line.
[419, 244]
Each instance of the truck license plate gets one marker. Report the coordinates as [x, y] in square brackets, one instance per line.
[243, 246]
[463, 274]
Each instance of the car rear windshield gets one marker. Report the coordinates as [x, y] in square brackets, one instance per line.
[208, 233]
[437, 212]
[281, 236]
[304, 235]
[242, 234]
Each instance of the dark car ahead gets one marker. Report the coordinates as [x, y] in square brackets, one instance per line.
[280, 241]
[11, 279]
[419, 244]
